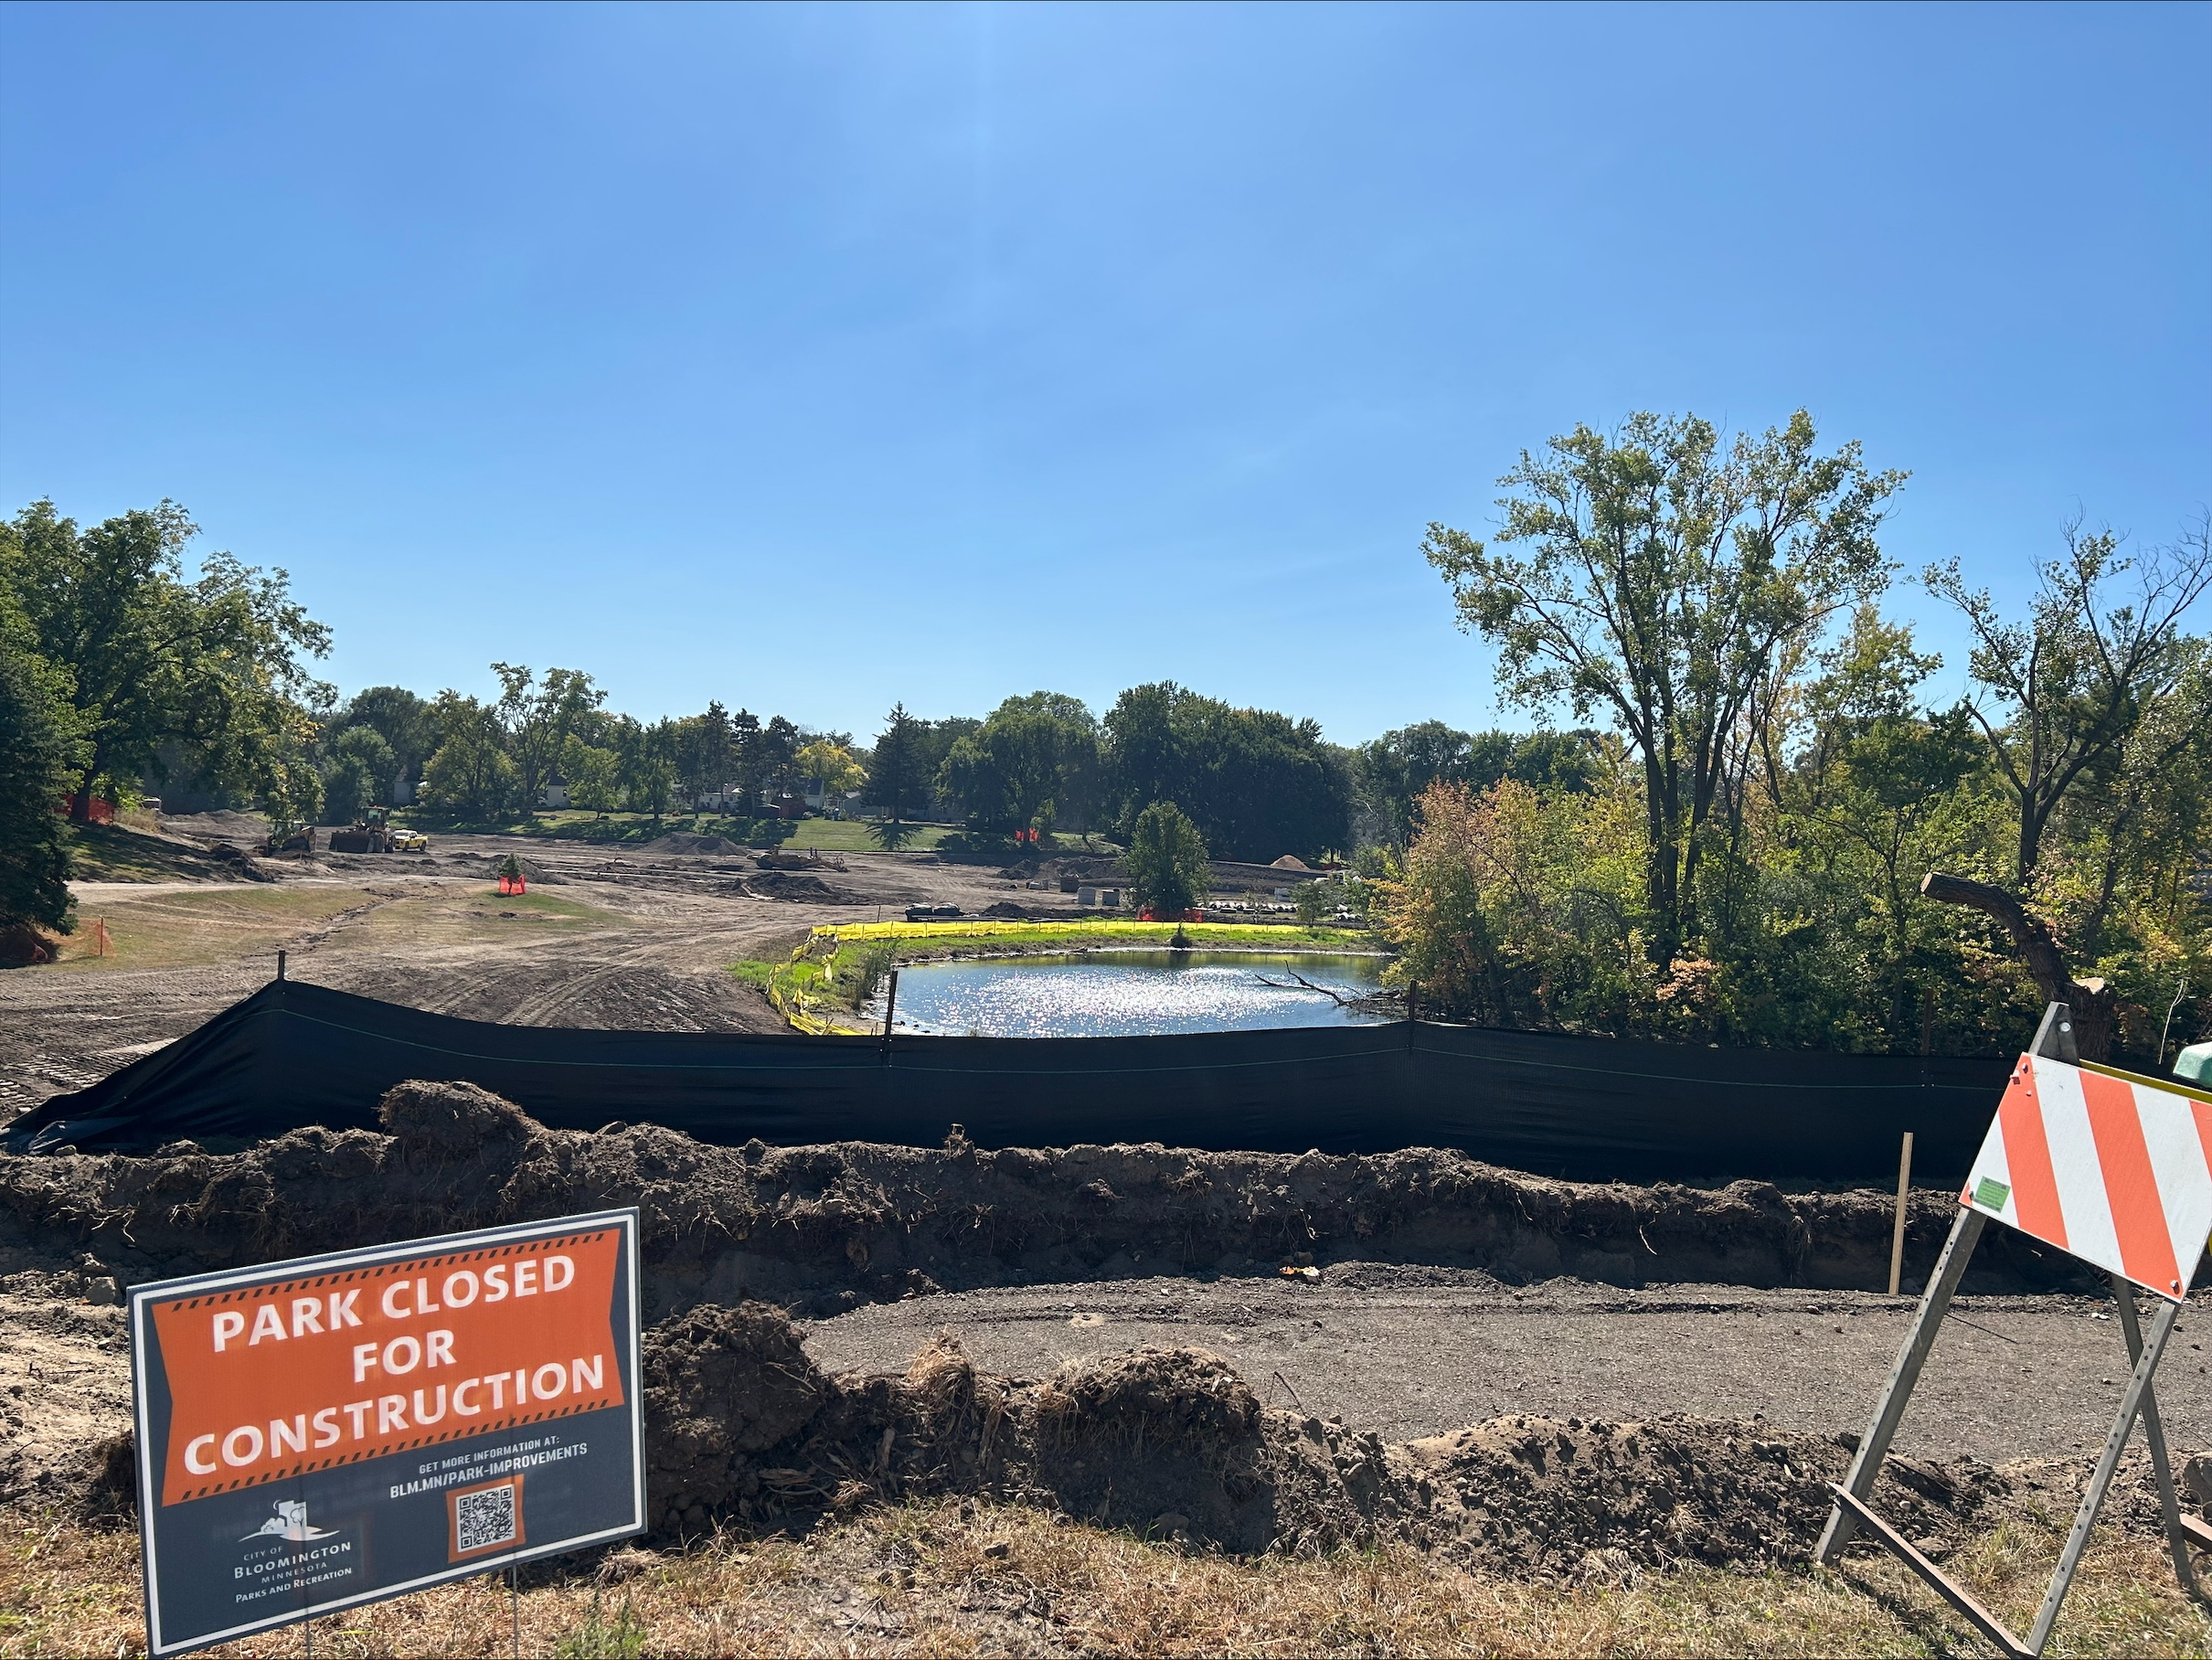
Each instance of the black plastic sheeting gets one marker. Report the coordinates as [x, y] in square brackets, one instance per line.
[1588, 1109]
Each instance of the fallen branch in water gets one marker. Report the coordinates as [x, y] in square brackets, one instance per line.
[1339, 998]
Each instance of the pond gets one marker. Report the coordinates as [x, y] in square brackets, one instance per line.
[1129, 994]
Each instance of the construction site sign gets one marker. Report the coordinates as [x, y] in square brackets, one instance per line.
[335, 1430]
[2114, 1169]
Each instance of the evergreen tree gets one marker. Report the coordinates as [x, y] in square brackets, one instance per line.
[39, 753]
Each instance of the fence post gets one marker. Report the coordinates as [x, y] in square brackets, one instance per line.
[1897, 1237]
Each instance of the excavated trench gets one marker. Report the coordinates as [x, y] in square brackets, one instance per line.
[743, 1425]
[818, 1229]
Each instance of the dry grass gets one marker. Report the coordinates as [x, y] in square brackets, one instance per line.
[212, 925]
[924, 1580]
[457, 915]
[182, 930]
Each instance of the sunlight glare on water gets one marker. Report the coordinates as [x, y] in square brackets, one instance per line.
[1128, 994]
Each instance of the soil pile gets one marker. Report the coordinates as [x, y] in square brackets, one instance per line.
[742, 1427]
[1172, 1443]
[683, 841]
[796, 885]
[821, 1228]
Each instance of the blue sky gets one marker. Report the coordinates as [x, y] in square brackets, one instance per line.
[812, 358]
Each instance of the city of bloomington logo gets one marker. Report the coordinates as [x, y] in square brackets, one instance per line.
[287, 1555]
[290, 1522]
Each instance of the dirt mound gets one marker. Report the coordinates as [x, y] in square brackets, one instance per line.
[22, 945]
[65, 1394]
[722, 1386]
[1540, 1495]
[684, 841]
[1173, 1442]
[217, 824]
[444, 1122]
[796, 885]
[1006, 910]
[741, 1426]
[823, 1228]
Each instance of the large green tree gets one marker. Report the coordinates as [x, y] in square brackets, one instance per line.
[1661, 577]
[703, 754]
[470, 776]
[407, 723]
[358, 770]
[537, 717]
[2089, 707]
[2068, 688]
[1395, 768]
[645, 764]
[207, 667]
[40, 757]
[1166, 860]
[897, 782]
[1258, 784]
[1035, 759]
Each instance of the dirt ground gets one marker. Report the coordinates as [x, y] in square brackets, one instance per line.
[1404, 1353]
[650, 948]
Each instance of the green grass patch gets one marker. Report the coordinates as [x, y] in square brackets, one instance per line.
[539, 905]
[754, 971]
[856, 835]
[919, 939]
[209, 925]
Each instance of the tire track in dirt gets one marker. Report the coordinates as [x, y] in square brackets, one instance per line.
[321, 934]
[567, 992]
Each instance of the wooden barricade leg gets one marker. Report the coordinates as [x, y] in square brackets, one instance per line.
[1874, 1445]
[2154, 1433]
[2139, 1386]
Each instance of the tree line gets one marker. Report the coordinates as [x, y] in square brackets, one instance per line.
[123, 673]
[1777, 837]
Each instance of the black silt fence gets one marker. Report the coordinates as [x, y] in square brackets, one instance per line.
[1583, 1108]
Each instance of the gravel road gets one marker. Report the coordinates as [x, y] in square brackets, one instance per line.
[1408, 1352]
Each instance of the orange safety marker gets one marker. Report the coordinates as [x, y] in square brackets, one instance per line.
[2110, 1168]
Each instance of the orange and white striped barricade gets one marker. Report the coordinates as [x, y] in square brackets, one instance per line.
[2113, 1169]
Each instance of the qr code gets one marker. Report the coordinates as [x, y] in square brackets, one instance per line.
[485, 1517]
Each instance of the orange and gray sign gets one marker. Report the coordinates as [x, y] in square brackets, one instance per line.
[335, 1430]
